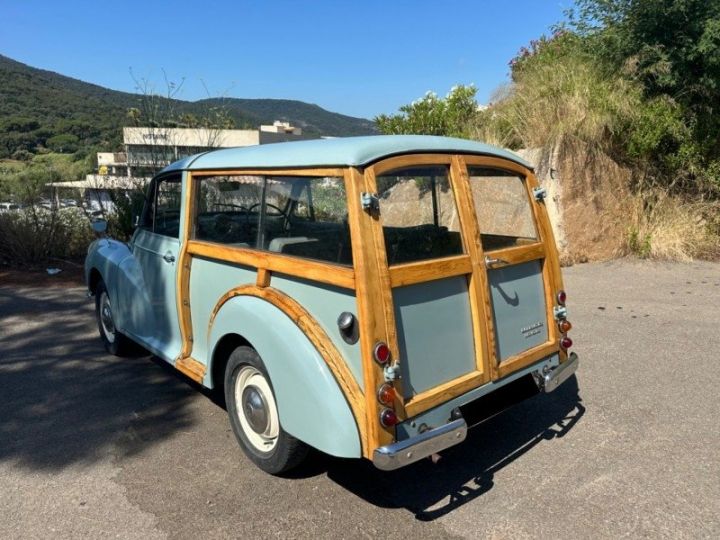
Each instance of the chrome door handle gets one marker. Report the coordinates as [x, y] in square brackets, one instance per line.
[169, 257]
[490, 262]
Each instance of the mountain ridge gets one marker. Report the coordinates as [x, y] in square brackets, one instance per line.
[43, 109]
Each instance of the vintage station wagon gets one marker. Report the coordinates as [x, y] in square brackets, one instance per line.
[369, 297]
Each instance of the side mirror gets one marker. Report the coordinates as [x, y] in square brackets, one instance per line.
[100, 227]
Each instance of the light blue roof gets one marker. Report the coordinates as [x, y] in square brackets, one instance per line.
[340, 152]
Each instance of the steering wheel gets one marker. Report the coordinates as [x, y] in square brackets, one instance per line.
[225, 227]
[285, 221]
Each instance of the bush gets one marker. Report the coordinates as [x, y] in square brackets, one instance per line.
[673, 227]
[557, 92]
[34, 235]
[452, 116]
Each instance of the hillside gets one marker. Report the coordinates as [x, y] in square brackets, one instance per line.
[310, 117]
[43, 109]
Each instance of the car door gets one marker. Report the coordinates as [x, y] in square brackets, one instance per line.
[516, 266]
[156, 247]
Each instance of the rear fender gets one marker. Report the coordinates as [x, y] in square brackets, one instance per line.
[311, 405]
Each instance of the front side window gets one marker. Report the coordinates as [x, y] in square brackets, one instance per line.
[502, 207]
[300, 216]
[419, 214]
[162, 207]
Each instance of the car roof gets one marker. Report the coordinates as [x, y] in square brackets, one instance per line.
[340, 152]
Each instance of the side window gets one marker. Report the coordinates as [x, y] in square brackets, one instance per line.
[502, 206]
[419, 215]
[228, 209]
[161, 214]
[300, 216]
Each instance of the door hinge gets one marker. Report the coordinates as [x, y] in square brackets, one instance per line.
[539, 193]
[370, 202]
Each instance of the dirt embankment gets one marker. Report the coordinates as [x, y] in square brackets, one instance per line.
[589, 200]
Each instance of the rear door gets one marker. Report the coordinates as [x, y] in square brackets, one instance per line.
[518, 270]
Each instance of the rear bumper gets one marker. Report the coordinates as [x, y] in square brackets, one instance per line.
[396, 455]
[555, 377]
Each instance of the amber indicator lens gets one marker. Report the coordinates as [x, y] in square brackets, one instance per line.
[381, 352]
[566, 342]
[565, 326]
[561, 297]
[386, 394]
[388, 418]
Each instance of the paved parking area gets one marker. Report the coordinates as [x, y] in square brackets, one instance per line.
[100, 447]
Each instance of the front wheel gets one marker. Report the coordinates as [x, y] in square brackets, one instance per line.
[254, 414]
[115, 342]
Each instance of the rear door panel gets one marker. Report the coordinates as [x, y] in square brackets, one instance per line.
[519, 311]
[435, 332]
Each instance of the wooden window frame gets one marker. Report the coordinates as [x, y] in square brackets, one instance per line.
[320, 271]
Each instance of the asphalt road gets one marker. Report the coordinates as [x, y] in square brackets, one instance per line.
[99, 447]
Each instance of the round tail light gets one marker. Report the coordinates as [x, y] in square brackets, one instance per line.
[388, 418]
[566, 343]
[381, 353]
[561, 297]
[564, 326]
[386, 394]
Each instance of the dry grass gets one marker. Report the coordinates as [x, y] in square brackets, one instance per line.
[555, 101]
[667, 227]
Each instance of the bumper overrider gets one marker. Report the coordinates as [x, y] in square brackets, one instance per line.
[396, 455]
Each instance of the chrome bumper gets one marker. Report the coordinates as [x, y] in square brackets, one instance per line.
[396, 455]
[555, 377]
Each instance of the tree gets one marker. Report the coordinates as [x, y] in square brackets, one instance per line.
[672, 47]
[63, 143]
[451, 116]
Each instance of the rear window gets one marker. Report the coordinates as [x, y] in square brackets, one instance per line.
[502, 206]
[301, 216]
[419, 215]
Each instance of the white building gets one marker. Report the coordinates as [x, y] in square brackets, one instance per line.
[149, 149]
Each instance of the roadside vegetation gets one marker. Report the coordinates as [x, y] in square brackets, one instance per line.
[638, 81]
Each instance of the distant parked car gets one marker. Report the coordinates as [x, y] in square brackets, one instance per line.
[369, 297]
[8, 206]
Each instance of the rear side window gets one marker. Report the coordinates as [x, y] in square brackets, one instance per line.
[162, 208]
[419, 215]
[502, 206]
[300, 216]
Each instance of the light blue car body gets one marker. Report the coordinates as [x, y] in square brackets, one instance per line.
[141, 283]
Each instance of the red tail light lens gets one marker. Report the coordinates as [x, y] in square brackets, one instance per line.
[381, 353]
[388, 418]
[564, 326]
[561, 297]
[386, 394]
[566, 343]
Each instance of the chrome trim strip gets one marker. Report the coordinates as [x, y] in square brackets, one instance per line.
[396, 455]
[555, 377]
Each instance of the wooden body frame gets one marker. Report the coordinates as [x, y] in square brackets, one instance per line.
[372, 280]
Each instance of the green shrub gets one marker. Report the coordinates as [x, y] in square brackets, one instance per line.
[34, 235]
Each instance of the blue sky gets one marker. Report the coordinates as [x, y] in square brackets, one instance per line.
[359, 58]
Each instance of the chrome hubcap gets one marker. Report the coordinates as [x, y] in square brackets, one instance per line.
[255, 409]
[106, 318]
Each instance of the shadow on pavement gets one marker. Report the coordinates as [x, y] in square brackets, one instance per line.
[63, 399]
[466, 471]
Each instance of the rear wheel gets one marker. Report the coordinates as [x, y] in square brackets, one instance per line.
[254, 414]
[115, 342]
